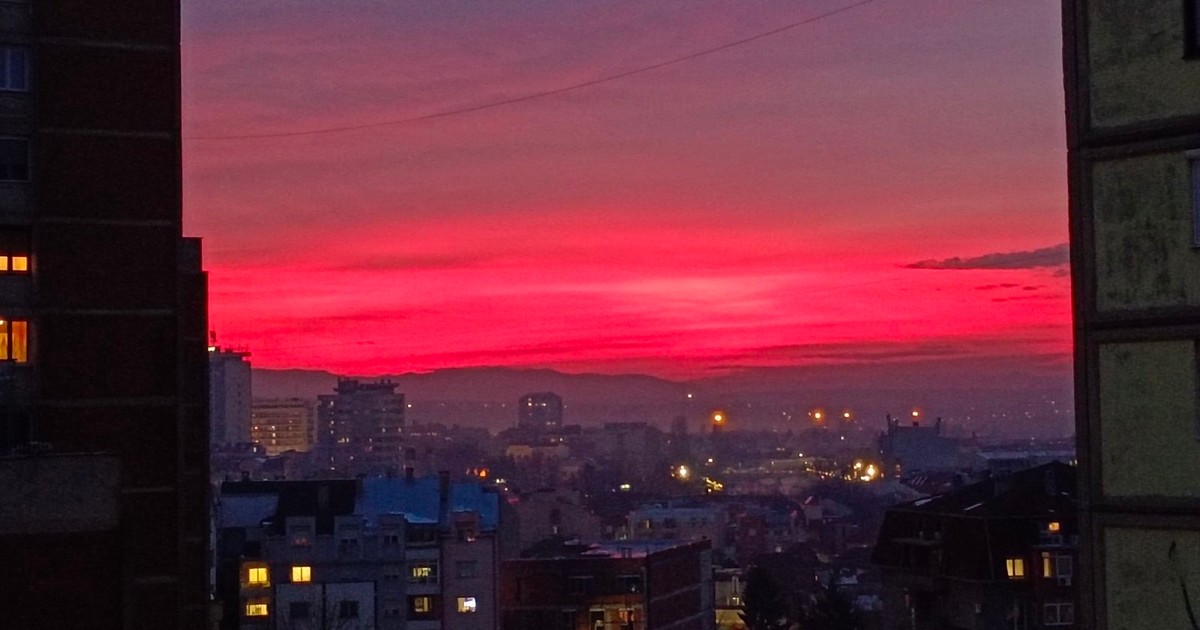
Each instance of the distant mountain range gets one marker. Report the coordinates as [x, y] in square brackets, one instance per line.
[1009, 396]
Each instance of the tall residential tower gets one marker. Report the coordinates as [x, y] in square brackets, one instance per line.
[103, 369]
[1133, 125]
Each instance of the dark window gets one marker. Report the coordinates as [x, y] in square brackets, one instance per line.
[16, 428]
[348, 609]
[1191, 29]
[14, 160]
[14, 68]
[466, 569]
[581, 584]
[299, 610]
[422, 535]
[631, 583]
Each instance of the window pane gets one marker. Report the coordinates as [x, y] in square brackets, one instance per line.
[3, 263]
[4, 343]
[14, 159]
[20, 341]
[17, 70]
[20, 263]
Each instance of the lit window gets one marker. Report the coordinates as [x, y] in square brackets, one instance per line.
[14, 69]
[422, 607]
[256, 608]
[14, 264]
[1056, 566]
[466, 604]
[257, 576]
[301, 574]
[14, 340]
[14, 160]
[1054, 527]
[423, 574]
[1016, 568]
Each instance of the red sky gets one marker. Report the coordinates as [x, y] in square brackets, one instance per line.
[763, 205]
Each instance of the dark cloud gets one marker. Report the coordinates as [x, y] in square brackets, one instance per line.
[993, 287]
[1031, 259]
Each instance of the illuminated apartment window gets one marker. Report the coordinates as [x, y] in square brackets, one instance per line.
[422, 607]
[425, 573]
[14, 340]
[257, 608]
[301, 574]
[1016, 568]
[257, 576]
[14, 160]
[1054, 527]
[14, 264]
[1057, 566]
[14, 69]
[466, 604]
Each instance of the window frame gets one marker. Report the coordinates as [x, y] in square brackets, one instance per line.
[28, 161]
[258, 576]
[7, 336]
[1059, 608]
[1191, 29]
[258, 607]
[467, 604]
[304, 571]
[6, 51]
[432, 574]
[1015, 568]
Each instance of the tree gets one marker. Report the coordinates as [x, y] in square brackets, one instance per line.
[763, 605]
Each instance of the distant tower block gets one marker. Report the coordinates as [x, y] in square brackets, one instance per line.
[540, 412]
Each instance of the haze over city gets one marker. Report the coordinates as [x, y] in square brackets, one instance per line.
[880, 189]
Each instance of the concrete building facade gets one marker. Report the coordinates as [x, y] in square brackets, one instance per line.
[631, 585]
[103, 374]
[1132, 78]
[399, 553]
[540, 412]
[360, 428]
[229, 396]
[280, 425]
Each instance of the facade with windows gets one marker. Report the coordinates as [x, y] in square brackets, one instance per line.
[1133, 127]
[612, 585]
[229, 396]
[102, 323]
[540, 412]
[360, 428]
[280, 425]
[381, 553]
[999, 554]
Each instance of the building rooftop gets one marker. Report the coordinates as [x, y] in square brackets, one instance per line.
[1045, 489]
[554, 548]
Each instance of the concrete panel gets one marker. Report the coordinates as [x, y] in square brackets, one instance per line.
[1148, 573]
[1143, 227]
[1148, 416]
[1138, 72]
[59, 493]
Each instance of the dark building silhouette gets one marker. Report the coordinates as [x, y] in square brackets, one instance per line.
[360, 428]
[1132, 78]
[103, 363]
[540, 412]
[998, 554]
[639, 585]
[914, 448]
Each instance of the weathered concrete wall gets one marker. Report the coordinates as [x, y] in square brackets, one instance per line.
[1138, 73]
[1148, 415]
[1146, 571]
[1143, 226]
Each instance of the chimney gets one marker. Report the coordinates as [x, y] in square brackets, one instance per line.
[408, 474]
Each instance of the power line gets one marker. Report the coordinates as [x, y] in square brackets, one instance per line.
[543, 94]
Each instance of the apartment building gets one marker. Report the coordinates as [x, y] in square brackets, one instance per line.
[1132, 77]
